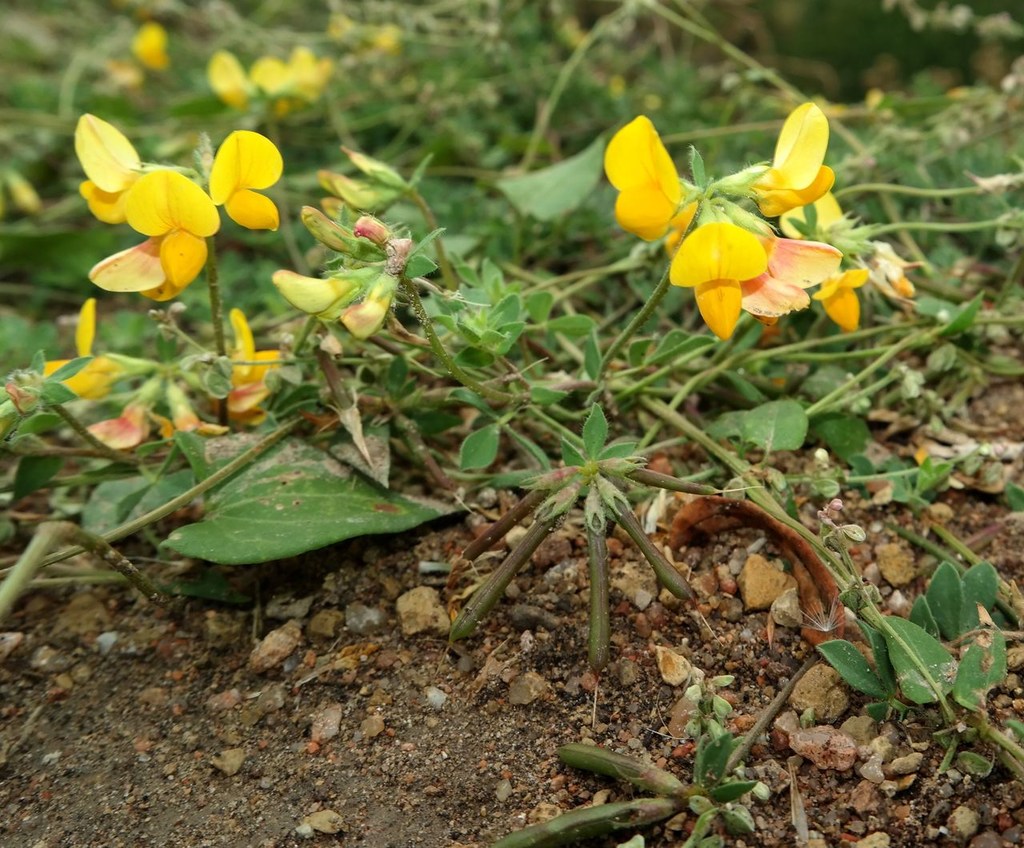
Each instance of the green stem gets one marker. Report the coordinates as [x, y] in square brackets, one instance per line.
[673, 484]
[1010, 753]
[638, 320]
[598, 643]
[667, 574]
[945, 226]
[451, 281]
[216, 306]
[439, 350]
[920, 337]
[31, 560]
[911, 191]
[82, 431]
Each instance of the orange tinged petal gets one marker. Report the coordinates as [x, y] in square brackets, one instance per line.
[843, 307]
[133, 270]
[801, 263]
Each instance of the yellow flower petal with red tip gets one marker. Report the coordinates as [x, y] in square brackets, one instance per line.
[133, 270]
[228, 80]
[246, 160]
[108, 158]
[802, 263]
[164, 201]
[718, 251]
[182, 256]
[150, 46]
[85, 332]
[719, 302]
[827, 213]
[638, 165]
[107, 206]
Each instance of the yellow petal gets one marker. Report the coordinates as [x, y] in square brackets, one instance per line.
[150, 46]
[107, 157]
[133, 270]
[107, 206]
[853, 279]
[182, 256]
[719, 302]
[773, 202]
[93, 382]
[636, 156]
[718, 251]
[245, 160]
[252, 211]
[227, 79]
[323, 298]
[800, 150]
[245, 346]
[271, 75]
[827, 213]
[85, 332]
[843, 307]
[644, 212]
[164, 201]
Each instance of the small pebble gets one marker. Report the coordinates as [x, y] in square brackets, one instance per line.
[905, 765]
[527, 688]
[879, 839]
[760, 583]
[435, 697]
[372, 726]
[325, 821]
[822, 690]
[825, 746]
[361, 620]
[8, 642]
[503, 791]
[106, 641]
[325, 625]
[963, 823]
[675, 669]
[530, 617]
[420, 610]
[276, 647]
[229, 761]
[326, 723]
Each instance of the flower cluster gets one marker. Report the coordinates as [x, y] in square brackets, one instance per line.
[285, 85]
[732, 258]
[175, 212]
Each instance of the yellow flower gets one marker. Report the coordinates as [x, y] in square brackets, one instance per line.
[840, 300]
[95, 379]
[796, 176]
[325, 298]
[827, 213]
[178, 216]
[309, 75]
[247, 377]
[887, 271]
[366, 318]
[246, 160]
[793, 266]
[639, 166]
[303, 77]
[714, 260]
[228, 80]
[111, 164]
[150, 46]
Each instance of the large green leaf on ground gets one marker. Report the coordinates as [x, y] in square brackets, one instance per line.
[291, 500]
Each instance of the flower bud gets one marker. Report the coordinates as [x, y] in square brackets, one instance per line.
[23, 194]
[9, 417]
[339, 238]
[324, 298]
[368, 227]
[365, 319]
[24, 398]
[357, 194]
[377, 171]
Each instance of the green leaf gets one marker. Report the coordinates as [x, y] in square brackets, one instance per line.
[619, 450]
[52, 392]
[420, 265]
[910, 642]
[114, 502]
[570, 454]
[711, 758]
[880, 651]
[1015, 497]
[595, 431]
[945, 598]
[538, 305]
[38, 423]
[34, 472]
[697, 170]
[731, 791]
[675, 343]
[778, 425]
[963, 316]
[70, 368]
[480, 448]
[211, 585]
[981, 667]
[571, 325]
[921, 615]
[592, 356]
[551, 192]
[544, 396]
[845, 435]
[855, 670]
[980, 585]
[292, 499]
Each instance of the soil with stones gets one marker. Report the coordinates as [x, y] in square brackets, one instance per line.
[331, 710]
